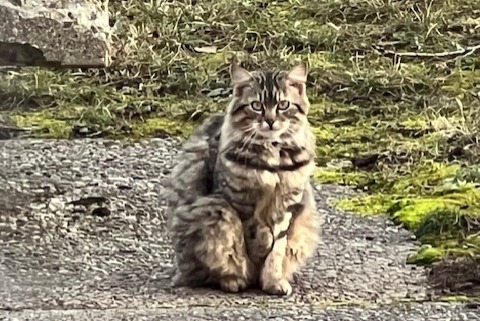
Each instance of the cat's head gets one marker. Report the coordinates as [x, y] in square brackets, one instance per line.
[270, 103]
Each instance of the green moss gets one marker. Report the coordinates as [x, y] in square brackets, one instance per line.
[336, 176]
[336, 140]
[212, 61]
[417, 123]
[44, 124]
[457, 299]
[398, 192]
[426, 256]
[410, 212]
[143, 118]
[446, 244]
[412, 188]
[420, 179]
[326, 112]
[161, 126]
[373, 204]
[324, 132]
[439, 213]
[440, 203]
[462, 81]
[324, 60]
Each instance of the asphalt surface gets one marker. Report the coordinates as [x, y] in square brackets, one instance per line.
[83, 237]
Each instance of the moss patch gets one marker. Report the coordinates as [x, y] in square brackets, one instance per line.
[426, 255]
[160, 127]
[334, 176]
[439, 203]
[44, 125]
[367, 205]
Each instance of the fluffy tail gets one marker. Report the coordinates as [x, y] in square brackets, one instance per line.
[191, 176]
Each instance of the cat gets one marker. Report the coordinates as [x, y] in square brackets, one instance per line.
[241, 212]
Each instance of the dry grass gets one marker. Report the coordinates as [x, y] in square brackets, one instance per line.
[395, 87]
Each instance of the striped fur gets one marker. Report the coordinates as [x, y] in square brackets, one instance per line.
[242, 210]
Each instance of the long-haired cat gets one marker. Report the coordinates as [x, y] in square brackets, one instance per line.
[241, 209]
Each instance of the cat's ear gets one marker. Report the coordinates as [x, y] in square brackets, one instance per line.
[239, 75]
[299, 73]
[297, 77]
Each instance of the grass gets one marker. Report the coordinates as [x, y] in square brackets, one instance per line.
[401, 128]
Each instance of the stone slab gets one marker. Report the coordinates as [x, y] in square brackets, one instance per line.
[55, 33]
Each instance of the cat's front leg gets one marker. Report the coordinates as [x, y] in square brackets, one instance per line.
[272, 277]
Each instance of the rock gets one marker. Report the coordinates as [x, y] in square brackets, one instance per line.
[7, 132]
[8, 129]
[84, 130]
[90, 200]
[215, 92]
[54, 33]
[101, 212]
[55, 204]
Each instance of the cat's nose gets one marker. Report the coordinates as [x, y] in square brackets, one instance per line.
[270, 122]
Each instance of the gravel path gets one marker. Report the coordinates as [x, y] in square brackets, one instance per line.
[82, 236]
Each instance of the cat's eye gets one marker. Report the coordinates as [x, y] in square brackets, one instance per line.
[257, 106]
[283, 105]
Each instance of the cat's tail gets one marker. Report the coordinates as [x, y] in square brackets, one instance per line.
[209, 245]
[192, 174]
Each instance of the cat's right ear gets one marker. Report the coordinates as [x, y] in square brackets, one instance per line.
[239, 75]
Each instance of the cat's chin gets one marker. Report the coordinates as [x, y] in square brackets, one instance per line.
[271, 135]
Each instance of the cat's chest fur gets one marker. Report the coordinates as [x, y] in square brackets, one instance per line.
[264, 185]
[272, 195]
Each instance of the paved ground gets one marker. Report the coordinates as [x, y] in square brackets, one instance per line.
[63, 260]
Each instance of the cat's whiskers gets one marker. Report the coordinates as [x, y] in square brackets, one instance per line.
[248, 139]
[255, 133]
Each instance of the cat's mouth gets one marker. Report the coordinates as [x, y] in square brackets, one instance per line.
[272, 135]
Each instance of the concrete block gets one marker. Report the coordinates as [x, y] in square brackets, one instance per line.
[57, 33]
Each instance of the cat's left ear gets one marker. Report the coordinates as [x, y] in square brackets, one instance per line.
[297, 77]
[299, 73]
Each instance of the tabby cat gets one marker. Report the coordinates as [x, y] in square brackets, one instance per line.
[242, 211]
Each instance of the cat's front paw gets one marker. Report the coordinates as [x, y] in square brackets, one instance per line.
[233, 284]
[280, 287]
